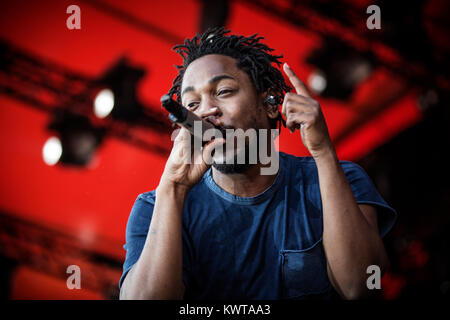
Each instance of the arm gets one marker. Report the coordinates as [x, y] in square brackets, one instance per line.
[158, 273]
[350, 232]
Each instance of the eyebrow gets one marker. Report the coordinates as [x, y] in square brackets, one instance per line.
[211, 81]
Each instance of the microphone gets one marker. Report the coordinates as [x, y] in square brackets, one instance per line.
[185, 118]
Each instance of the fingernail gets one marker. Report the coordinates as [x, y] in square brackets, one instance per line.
[287, 65]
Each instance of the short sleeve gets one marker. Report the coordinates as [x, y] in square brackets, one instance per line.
[366, 193]
[137, 229]
[136, 235]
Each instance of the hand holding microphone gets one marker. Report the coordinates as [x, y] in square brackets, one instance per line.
[185, 118]
[184, 168]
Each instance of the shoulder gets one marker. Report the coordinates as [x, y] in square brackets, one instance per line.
[296, 160]
[290, 161]
[308, 163]
[141, 211]
[305, 168]
[148, 197]
[355, 173]
[294, 166]
[351, 166]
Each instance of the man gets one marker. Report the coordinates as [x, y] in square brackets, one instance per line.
[310, 230]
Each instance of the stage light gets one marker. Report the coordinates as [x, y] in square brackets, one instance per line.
[340, 69]
[427, 99]
[121, 98]
[52, 150]
[78, 138]
[104, 103]
[317, 82]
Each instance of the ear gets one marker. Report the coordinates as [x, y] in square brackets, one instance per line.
[272, 110]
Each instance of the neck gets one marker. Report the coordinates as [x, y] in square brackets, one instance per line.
[247, 184]
[251, 182]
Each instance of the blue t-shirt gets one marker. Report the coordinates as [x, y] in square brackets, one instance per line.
[264, 247]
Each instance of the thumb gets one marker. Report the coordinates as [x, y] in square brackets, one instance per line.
[210, 147]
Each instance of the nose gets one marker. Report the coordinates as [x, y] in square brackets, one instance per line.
[209, 112]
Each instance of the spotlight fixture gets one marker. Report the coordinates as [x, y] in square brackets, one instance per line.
[317, 82]
[103, 103]
[339, 69]
[118, 96]
[76, 139]
[428, 99]
[52, 151]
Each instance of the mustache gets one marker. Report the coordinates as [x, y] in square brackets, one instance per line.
[224, 127]
[219, 125]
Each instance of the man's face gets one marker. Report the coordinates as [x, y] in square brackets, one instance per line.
[214, 87]
[215, 81]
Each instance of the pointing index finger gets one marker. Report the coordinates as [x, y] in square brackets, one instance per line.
[299, 86]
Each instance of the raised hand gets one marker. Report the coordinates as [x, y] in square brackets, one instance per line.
[303, 112]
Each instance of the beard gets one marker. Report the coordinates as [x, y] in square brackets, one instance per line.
[235, 166]
[230, 168]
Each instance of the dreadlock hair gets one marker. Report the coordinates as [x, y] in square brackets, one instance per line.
[252, 57]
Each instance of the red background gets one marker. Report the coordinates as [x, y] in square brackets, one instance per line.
[92, 204]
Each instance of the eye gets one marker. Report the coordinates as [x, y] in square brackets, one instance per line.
[192, 105]
[224, 91]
